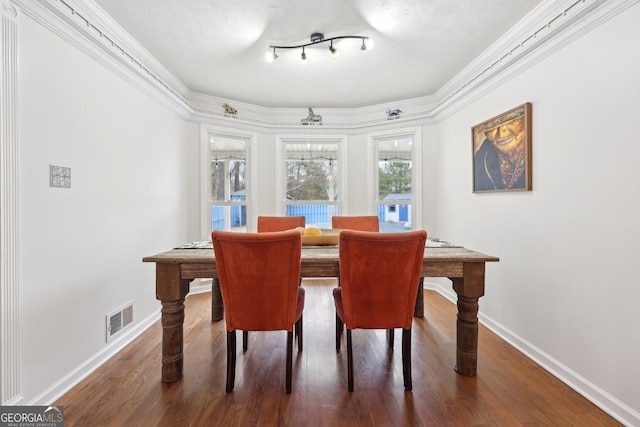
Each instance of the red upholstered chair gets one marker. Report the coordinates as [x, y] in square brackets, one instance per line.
[379, 275]
[279, 223]
[270, 224]
[362, 223]
[259, 277]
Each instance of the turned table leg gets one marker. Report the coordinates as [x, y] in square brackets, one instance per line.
[171, 291]
[418, 311]
[217, 308]
[172, 340]
[469, 289]
[467, 333]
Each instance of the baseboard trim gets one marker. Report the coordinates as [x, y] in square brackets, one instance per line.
[200, 286]
[596, 395]
[57, 390]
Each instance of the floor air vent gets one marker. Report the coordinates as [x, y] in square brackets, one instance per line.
[119, 320]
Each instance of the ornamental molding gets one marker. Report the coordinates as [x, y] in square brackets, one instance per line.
[549, 27]
[9, 10]
[10, 387]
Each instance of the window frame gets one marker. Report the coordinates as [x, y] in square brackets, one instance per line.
[415, 133]
[281, 168]
[206, 133]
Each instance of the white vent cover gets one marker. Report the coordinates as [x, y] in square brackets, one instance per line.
[119, 320]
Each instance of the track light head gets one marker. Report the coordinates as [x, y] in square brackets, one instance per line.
[270, 56]
[334, 51]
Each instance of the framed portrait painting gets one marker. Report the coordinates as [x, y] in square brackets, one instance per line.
[502, 152]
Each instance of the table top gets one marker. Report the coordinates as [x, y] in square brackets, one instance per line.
[320, 253]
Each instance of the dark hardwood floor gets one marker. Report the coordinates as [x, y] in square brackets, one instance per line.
[510, 390]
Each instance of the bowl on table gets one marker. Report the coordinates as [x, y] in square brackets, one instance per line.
[320, 237]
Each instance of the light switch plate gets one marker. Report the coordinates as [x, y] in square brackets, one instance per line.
[59, 176]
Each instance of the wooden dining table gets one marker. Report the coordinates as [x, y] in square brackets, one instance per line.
[176, 268]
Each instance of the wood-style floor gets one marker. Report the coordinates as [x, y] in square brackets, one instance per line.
[510, 390]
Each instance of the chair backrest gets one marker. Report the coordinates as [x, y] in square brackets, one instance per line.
[362, 223]
[259, 274]
[379, 276]
[279, 223]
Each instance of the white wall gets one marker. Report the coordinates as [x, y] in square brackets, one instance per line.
[566, 287]
[81, 248]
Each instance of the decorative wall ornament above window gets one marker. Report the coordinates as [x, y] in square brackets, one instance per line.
[312, 118]
[317, 38]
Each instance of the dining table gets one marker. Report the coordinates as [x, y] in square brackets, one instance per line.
[176, 268]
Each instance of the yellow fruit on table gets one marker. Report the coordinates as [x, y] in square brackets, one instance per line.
[312, 232]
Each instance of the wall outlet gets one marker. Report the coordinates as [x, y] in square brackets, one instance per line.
[59, 176]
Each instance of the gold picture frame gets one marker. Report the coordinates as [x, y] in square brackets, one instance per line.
[502, 152]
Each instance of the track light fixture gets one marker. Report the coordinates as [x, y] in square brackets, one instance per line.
[317, 38]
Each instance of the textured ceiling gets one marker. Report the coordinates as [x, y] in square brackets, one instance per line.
[217, 47]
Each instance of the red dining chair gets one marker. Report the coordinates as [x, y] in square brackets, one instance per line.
[362, 223]
[259, 277]
[270, 224]
[379, 275]
[279, 223]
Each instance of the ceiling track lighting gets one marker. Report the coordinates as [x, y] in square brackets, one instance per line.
[316, 38]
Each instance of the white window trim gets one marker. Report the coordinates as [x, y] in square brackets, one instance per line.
[416, 169]
[281, 166]
[205, 162]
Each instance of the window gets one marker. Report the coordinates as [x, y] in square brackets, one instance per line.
[227, 183]
[396, 178]
[312, 179]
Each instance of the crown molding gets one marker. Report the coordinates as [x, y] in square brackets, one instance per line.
[208, 109]
[549, 27]
[85, 26]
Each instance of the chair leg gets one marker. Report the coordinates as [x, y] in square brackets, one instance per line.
[298, 330]
[289, 357]
[349, 361]
[245, 340]
[231, 360]
[390, 336]
[406, 358]
[339, 328]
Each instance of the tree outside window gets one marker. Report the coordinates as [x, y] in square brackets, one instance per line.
[395, 182]
[228, 183]
[394, 177]
[311, 188]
